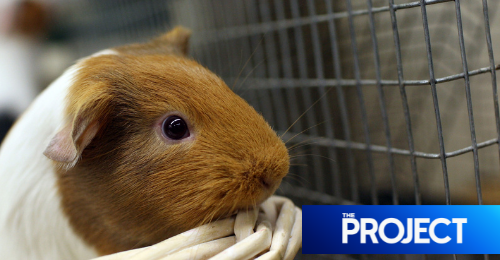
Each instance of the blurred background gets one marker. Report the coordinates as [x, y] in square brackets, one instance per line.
[380, 101]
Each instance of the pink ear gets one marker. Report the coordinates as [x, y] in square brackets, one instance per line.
[68, 144]
[61, 148]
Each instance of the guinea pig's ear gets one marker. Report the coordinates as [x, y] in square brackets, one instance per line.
[175, 41]
[68, 144]
[177, 38]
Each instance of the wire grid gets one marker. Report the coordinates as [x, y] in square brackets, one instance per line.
[263, 32]
[380, 103]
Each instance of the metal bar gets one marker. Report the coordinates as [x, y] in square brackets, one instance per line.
[435, 100]
[258, 83]
[344, 117]
[330, 133]
[273, 71]
[248, 65]
[323, 141]
[216, 48]
[120, 15]
[383, 108]
[260, 66]
[218, 10]
[359, 92]
[214, 51]
[251, 29]
[204, 48]
[469, 148]
[406, 108]
[288, 74]
[306, 93]
[469, 101]
[492, 68]
[272, 68]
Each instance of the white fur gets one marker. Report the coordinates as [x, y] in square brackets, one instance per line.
[32, 224]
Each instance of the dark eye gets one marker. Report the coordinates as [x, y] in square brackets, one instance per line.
[174, 127]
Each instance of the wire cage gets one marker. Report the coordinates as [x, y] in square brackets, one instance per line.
[380, 101]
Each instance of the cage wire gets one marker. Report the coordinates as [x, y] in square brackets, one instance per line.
[379, 101]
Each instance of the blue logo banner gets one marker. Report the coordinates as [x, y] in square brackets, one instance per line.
[433, 229]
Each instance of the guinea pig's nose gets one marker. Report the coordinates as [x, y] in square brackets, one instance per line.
[269, 181]
[266, 182]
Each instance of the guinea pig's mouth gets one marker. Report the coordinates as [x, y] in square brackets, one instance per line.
[251, 195]
[248, 205]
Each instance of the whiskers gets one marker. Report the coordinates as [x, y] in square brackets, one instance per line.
[245, 65]
[298, 136]
[295, 177]
[234, 88]
[307, 110]
[246, 77]
[312, 154]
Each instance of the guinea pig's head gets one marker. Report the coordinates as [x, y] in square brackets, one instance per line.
[155, 144]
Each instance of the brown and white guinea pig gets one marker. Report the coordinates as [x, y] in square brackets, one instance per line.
[127, 148]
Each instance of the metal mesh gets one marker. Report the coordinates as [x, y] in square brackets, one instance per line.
[380, 101]
[376, 76]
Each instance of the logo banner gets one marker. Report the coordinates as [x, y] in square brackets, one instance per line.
[451, 229]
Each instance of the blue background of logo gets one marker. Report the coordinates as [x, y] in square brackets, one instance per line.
[322, 229]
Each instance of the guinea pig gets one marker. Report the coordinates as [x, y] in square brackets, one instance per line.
[129, 147]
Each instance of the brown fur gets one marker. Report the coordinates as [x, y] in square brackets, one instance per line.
[174, 42]
[131, 188]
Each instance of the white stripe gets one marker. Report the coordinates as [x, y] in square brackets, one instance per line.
[32, 224]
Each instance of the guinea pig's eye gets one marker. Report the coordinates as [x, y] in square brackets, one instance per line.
[174, 127]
